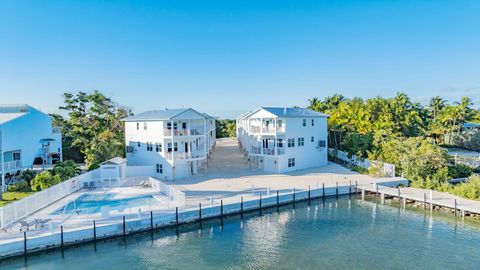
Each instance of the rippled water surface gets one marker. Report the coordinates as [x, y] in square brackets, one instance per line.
[343, 234]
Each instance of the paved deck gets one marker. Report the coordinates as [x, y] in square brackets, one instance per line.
[229, 178]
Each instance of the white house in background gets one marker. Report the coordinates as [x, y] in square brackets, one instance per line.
[26, 135]
[177, 142]
[283, 139]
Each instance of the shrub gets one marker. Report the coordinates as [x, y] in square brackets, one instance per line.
[28, 175]
[459, 171]
[469, 189]
[19, 186]
[45, 180]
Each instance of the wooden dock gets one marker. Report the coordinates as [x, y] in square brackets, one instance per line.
[429, 199]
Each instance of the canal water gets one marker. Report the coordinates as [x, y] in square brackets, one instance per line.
[332, 234]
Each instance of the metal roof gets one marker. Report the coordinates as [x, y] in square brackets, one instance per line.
[288, 112]
[158, 115]
[470, 124]
[6, 117]
[116, 161]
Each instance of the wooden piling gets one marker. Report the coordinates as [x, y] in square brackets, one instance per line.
[404, 202]
[260, 202]
[309, 194]
[151, 220]
[241, 207]
[382, 196]
[278, 202]
[363, 194]
[200, 211]
[356, 186]
[25, 243]
[61, 236]
[176, 216]
[323, 190]
[455, 205]
[94, 231]
[336, 190]
[293, 197]
[424, 201]
[124, 227]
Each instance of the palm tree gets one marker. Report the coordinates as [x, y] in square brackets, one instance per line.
[436, 105]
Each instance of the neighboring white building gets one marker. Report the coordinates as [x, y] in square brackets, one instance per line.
[26, 134]
[177, 142]
[283, 139]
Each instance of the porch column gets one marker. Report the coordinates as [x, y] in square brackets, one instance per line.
[2, 160]
[275, 136]
[173, 145]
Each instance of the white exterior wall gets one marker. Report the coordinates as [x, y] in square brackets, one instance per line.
[157, 132]
[25, 133]
[252, 129]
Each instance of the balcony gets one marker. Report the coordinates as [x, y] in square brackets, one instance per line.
[267, 129]
[183, 132]
[266, 151]
[185, 155]
[13, 165]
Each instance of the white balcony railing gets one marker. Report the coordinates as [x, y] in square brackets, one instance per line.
[267, 129]
[185, 155]
[267, 151]
[12, 165]
[183, 132]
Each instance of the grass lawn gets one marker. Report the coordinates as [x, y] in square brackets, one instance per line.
[9, 197]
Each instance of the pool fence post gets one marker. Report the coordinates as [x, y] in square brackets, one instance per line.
[61, 236]
[455, 207]
[94, 231]
[25, 243]
[176, 216]
[200, 211]
[124, 227]
[151, 220]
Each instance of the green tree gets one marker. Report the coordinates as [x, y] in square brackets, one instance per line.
[94, 126]
[66, 170]
[45, 180]
[28, 175]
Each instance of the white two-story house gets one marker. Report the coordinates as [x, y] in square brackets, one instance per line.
[176, 142]
[26, 137]
[285, 139]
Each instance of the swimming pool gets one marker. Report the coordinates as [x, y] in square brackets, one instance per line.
[94, 203]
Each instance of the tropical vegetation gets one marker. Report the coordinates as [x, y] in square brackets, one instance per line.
[225, 128]
[402, 132]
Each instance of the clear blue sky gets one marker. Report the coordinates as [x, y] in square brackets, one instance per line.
[225, 57]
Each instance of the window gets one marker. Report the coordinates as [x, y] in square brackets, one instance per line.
[291, 142]
[184, 125]
[313, 122]
[312, 139]
[138, 126]
[169, 125]
[279, 123]
[149, 146]
[301, 141]
[175, 147]
[158, 147]
[159, 168]
[280, 143]
[145, 126]
[139, 144]
[169, 147]
[304, 122]
[291, 162]
[322, 143]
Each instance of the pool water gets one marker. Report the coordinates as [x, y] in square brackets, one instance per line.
[93, 203]
[330, 234]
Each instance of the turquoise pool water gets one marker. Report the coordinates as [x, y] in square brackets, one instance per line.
[343, 234]
[93, 203]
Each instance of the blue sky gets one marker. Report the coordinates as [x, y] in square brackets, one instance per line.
[226, 57]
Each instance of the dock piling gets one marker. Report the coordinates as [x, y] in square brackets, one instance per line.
[151, 220]
[200, 211]
[336, 190]
[124, 227]
[61, 236]
[293, 197]
[455, 205]
[25, 243]
[176, 216]
[241, 207]
[363, 194]
[277, 200]
[94, 231]
[323, 190]
[424, 201]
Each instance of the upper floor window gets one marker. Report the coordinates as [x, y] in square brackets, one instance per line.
[169, 125]
[169, 147]
[304, 122]
[312, 139]
[158, 147]
[280, 123]
[301, 141]
[138, 126]
[313, 122]
[291, 162]
[322, 143]
[139, 144]
[175, 147]
[149, 146]
[159, 168]
[280, 143]
[291, 143]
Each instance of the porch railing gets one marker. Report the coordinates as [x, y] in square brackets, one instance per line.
[12, 165]
[183, 132]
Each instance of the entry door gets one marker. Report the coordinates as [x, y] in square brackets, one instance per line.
[186, 147]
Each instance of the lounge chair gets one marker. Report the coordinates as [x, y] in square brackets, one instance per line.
[26, 225]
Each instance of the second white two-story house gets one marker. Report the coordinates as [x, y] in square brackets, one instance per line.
[176, 142]
[26, 137]
[285, 139]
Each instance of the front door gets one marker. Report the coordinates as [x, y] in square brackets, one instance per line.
[186, 147]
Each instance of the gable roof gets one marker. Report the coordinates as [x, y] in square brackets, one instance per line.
[157, 115]
[114, 161]
[7, 117]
